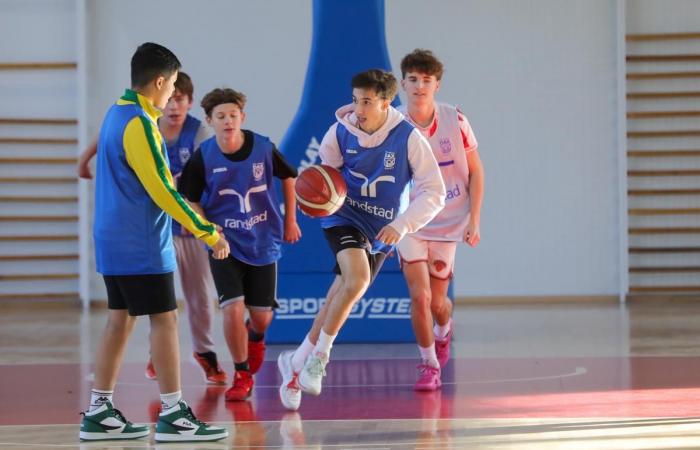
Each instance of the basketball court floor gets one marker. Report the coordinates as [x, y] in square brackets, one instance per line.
[587, 375]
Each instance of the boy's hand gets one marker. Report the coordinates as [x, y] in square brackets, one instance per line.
[292, 232]
[388, 235]
[471, 234]
[220, 250]
[84, 169]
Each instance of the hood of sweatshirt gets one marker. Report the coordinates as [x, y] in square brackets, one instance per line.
[346, 116]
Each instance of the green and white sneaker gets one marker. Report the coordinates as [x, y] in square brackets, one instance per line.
[180, 424]
[107, 422]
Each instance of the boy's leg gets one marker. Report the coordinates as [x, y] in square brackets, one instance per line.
[442, 255]
[260, 292]
[197, 285]
[165, 351]
[110, 352]
[415, 263]
[235, 331]
[291, 362]
[355, 279]
[125, 301]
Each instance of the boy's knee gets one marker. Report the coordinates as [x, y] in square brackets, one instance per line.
[356, 286]
[422, 300]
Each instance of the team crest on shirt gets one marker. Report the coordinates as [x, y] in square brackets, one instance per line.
[184, 154]
[258, 171]
[445, 145]
[389, 160]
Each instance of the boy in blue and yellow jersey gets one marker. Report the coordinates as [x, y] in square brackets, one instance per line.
[378, 153]
[182, 134]
[230, 180]
[134, 199]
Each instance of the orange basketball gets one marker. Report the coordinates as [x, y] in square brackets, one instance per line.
[320, 190]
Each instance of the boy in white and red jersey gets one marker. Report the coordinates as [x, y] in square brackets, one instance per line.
[427, 256]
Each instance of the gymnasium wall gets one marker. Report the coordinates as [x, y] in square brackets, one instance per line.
[536, 78]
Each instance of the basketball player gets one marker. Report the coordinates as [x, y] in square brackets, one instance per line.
[427, 256]
[183, 133]
[229, 180]
[134, 252]
[378, 152]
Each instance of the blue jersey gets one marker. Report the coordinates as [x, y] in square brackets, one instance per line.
[179, 153]
[241, 197]
[377, 178]
[132, 234]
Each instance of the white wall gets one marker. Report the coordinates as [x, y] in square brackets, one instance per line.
[537, 81]
[536, 78]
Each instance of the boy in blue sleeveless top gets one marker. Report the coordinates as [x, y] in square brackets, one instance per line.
[182, 134]
[134, 199]
[229, 180]
[378, 153]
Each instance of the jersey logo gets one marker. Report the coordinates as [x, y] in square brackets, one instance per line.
[445, 145]
[219, 169]
[244, 200]
[369, 189]
[258, 171]
[351, 151]
[184, 154]
[389, 160]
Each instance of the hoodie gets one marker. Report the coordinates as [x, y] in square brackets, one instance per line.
[426, 178]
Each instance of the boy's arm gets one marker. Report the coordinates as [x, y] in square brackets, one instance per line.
[329, 150]
[221, 249]
[472, 234]
[427, 182]
[284, 171]
[143, 154]
[84, 160]
[292, 232]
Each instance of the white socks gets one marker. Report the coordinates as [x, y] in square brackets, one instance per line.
[441, 331]
[167, 401]
[428, 355]
[301, 353]
[98, 398]
[324, 344]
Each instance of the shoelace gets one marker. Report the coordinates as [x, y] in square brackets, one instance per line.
[190, 415]
[423, 368]
[317, 367]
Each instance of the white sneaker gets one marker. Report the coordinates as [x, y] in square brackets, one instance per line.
[290, 393]
[313, 372]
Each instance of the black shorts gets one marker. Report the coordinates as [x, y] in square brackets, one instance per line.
[345, 236]
[236, 281]
[141, 294]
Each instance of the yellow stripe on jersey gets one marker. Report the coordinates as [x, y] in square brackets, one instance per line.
[142, 147]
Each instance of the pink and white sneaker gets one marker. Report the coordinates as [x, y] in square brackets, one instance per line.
[442, 347]
[428, 378]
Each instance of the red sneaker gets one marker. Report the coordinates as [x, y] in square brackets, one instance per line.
[256, 355]
[150, 370]
[211, 367]
[242, 387]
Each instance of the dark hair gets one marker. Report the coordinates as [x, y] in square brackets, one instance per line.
[422, 61]
[383, 83]
[220, 96]
[183, 84]
[151, 61]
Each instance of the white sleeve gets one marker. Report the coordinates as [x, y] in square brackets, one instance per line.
[329, 151]
[428, 188]
[203, 133]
